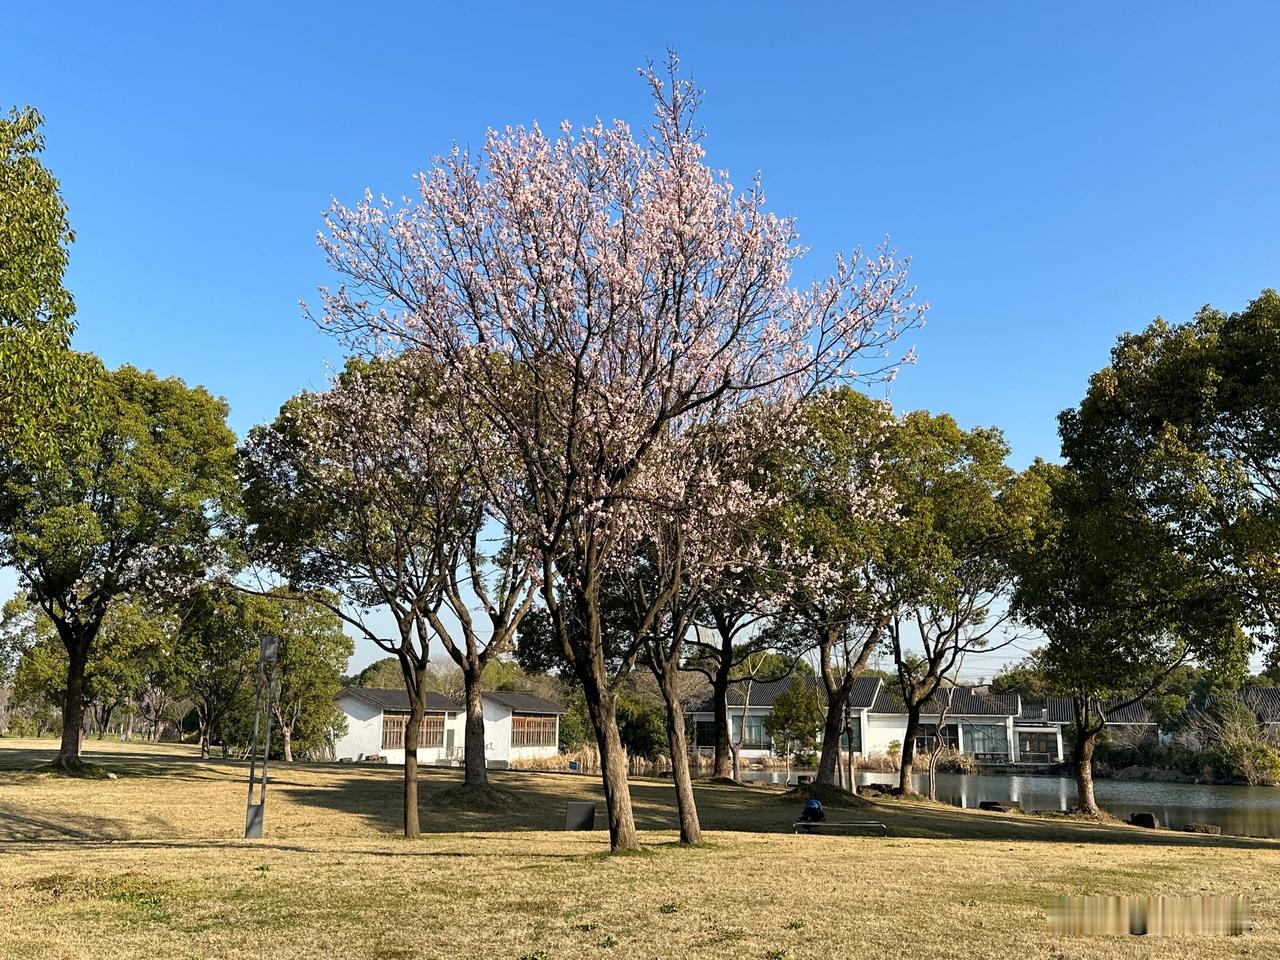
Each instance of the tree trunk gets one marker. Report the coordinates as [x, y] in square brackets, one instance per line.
[848, 763]
[829, 761]
[73, 707]
[724, 765]
[476, 773]
[909, 750]
[206, 737]
[613, 769]
[412, 824]
[1082, 762]
[286, 740]
[677, 740]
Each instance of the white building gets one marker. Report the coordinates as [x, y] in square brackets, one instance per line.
[517, 726]
[992, 728]
[756, 744]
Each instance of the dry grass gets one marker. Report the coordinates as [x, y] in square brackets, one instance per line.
[149, 866]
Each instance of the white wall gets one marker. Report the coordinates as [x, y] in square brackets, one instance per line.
[364, 730]
[497, 734]
[878, 731]
[364, 735]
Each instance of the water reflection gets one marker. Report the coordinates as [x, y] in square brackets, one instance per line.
[1245, 811]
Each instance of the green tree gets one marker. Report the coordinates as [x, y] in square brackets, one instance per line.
[44, 395]
[382, 674]
[215, 657]
[133, 513]
[1120, 605]
[642, 725]
[827, 529]
[129, 640]
[946, 567]
[1184, 425]
[575, 723]
[313, 653]
[796, 719]
[1026, 677]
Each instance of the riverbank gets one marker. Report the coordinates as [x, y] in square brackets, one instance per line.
[150, 866]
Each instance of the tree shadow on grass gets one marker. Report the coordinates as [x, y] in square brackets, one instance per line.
[531, 801]
[538, 804]
[18, 825]
[415, 848]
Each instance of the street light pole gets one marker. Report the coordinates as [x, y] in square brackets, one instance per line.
[266, 684]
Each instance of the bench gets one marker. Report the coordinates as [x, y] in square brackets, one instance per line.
[808, 826]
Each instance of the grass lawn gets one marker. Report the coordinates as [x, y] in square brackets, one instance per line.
[150, 865]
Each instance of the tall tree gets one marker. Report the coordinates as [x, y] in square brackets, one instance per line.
[834, 513]
[362, 498]
[44, 386]
[948, 569]
[1120, 604]
[133, 513]
[639, 295]
[1171, 495]
[312, 654]
[215, 656]
[488, 594]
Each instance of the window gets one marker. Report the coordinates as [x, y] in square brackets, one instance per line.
[927, 738]
[532, 731]
[393, 731]
[704, 733]
[986, 739]
[430, 733]
[1035, 746]
[755, 737]
[855, 728]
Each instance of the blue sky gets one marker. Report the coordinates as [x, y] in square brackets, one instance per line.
[1059, 173]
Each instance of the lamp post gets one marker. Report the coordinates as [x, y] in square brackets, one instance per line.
[266, 684]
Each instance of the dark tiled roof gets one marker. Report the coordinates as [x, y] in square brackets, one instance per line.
[1062, 710]
[1033, 711]
[764, 693]
[965, 702]
[397, 701]
[523, 702]
[1263, 701]
[864, 692]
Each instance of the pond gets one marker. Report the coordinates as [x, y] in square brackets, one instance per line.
[1244, 811]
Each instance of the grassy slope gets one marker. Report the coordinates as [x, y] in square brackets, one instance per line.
[149, 865]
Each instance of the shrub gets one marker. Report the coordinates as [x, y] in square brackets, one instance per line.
[1250, 761]
[22, 727]
[949, 761]
[879, 762]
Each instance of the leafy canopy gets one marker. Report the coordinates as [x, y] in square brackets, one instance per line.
[136, 511]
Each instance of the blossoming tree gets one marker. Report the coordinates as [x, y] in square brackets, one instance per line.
[638, 295]
[361, 498]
